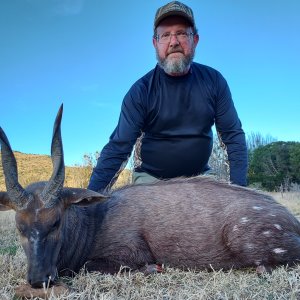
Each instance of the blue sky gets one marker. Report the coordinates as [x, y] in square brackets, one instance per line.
[87, 54]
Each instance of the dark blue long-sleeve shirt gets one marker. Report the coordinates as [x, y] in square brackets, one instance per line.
[175, 115]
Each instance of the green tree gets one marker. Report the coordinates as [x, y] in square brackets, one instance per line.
[255, 140]
[275, 166]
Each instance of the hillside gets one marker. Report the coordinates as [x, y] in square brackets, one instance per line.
[35, 167]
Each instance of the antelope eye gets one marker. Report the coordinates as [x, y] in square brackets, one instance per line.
[21, 228]
[55, 225]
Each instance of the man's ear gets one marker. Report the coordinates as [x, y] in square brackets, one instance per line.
[196, 39]
[154, 42]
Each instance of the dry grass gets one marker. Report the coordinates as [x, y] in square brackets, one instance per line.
[173, 284]
[35, 167]
[291, 200]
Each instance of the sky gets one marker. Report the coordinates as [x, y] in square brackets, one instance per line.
[86, 54]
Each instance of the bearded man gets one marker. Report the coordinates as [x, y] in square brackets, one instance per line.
[171, 111]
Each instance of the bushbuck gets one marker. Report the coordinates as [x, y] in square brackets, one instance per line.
[195, 223]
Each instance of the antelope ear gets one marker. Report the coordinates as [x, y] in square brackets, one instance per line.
[5, 203]
[81, 197]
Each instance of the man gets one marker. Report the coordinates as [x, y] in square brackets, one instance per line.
[172, 110]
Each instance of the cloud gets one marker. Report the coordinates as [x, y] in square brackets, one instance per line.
[58, 7]
[68, 7]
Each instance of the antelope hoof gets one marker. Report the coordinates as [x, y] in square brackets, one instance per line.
[262, 270]
[153, 269]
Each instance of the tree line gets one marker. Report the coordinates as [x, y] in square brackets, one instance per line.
[273, 165]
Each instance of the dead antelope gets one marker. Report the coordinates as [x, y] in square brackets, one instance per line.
[195, 223]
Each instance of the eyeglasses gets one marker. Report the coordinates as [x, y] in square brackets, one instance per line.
[181, 36]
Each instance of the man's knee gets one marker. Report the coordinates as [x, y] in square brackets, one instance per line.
[143, 177]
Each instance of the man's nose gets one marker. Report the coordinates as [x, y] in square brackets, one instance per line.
[174, 40]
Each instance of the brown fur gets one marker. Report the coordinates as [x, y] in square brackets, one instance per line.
[196, 223]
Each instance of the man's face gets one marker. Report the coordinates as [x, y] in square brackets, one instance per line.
[175, 53]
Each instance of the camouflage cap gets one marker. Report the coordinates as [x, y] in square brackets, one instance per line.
[174, 8]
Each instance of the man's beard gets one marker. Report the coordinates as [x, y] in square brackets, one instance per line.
[175, 66]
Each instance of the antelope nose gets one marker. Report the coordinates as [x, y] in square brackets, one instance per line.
[40, 283]
[37, 284]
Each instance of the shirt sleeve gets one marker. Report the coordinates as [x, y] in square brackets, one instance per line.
[230, 129]
[117, 151]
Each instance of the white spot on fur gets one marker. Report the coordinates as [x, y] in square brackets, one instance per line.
[235, 228]
[36, 214]
[244, 220]
[257, 207]
[272, 215]
[35, 240]
[278, 226]
[267, 233]
[279, 250]
[257, 262]
[250, 246]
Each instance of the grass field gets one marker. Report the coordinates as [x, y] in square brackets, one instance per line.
[35, 167]
[173, 284]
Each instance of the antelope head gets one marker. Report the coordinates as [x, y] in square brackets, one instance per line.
[40, 208]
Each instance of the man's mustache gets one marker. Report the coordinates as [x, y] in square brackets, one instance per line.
[175, 51]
